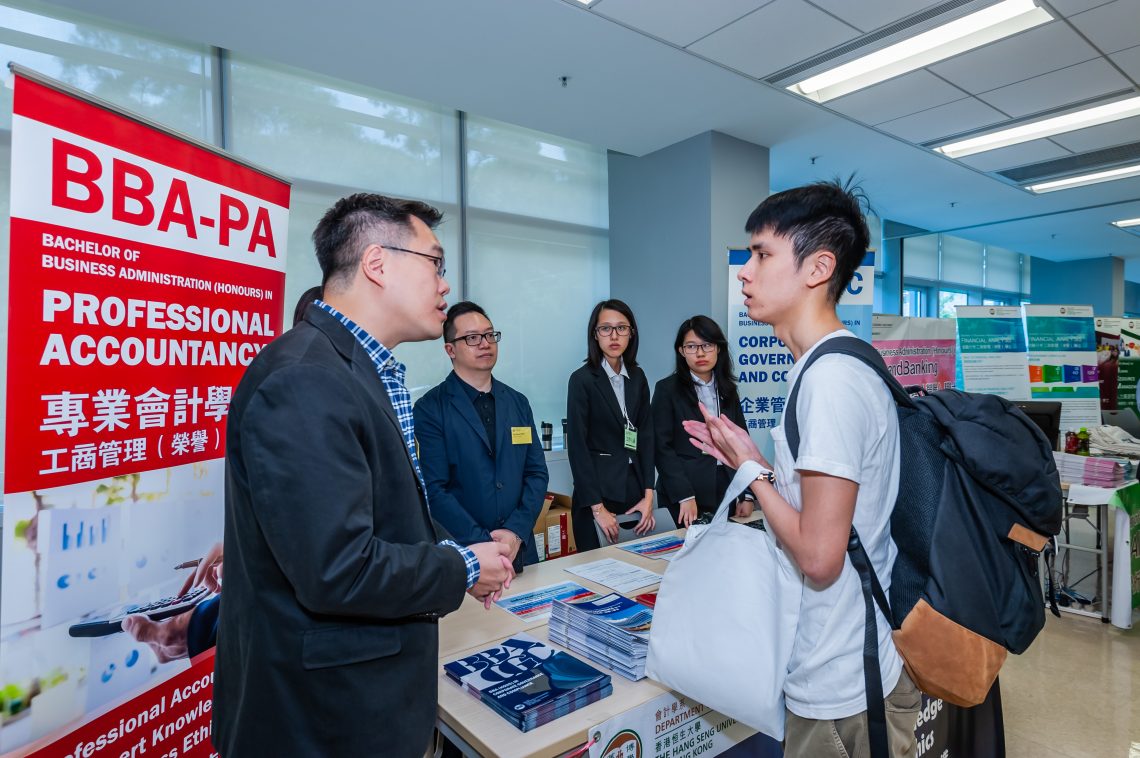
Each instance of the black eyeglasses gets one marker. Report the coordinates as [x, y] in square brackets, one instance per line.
[692, 348]
[440, 266]
[473, 340]
[623, 330]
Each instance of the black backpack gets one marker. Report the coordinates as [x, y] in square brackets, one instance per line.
[979, 497]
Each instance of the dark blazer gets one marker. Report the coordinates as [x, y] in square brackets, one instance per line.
[682, 470]
[472, 492]
[328, 639]
[598, 459]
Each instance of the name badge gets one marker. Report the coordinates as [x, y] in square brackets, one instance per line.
[520, 435]
[631, 439]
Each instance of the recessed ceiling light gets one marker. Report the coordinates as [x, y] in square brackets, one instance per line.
[1124, 224]
[1067, 122]
[958, 36]
[1122, 172]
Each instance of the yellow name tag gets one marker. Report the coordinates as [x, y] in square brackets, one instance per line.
[520, 435]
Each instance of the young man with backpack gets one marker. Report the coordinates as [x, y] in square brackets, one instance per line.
[806, 244]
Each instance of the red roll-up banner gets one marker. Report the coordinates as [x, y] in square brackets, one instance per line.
[146, 271]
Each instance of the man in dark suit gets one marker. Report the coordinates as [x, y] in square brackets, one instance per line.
[336, 573]
[482, 460]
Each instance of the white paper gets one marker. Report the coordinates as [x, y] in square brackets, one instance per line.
[619, 576]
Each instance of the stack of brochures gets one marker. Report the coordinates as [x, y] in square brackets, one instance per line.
[1090, 470]
[529, 683]
[611, 630]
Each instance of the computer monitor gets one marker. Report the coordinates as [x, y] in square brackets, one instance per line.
[1046, 414]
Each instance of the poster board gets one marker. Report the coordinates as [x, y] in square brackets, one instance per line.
[146, 272]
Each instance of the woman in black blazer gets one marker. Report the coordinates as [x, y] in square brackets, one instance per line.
[610, 446]
[688, 481]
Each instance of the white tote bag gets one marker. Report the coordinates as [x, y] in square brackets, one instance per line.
[726, 617]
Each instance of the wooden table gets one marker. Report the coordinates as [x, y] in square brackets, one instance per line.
[479, 731]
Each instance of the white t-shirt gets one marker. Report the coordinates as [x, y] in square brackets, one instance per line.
[848, 428]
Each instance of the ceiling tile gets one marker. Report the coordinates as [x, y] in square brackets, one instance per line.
[1015, 155]
[896, 98]
[1063, 236]
[774, 37]
[1112, 27]
[1129, 60]
[680, 23]
[869, 15]
[1016, 58]
[1070, 7]
[1097, 137]
[953, 118]
[1057, 88]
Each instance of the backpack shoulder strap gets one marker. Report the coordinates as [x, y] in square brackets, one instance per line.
[872, 674]
[856, 348]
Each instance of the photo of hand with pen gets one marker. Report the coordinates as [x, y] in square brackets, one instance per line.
[193, 630]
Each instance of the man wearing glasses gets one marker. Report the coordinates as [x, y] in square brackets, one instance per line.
[482, 459]
[336, 569]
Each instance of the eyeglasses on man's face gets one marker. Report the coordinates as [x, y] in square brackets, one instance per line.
[473, 340]
[622, 330]
[692, 348]
[440, 266]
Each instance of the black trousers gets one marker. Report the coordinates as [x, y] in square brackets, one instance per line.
[585, 535]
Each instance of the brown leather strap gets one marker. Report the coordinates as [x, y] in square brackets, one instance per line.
[1027, 537]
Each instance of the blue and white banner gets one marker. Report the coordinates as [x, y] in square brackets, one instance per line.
[762, 361]
[1061, 340]
[992, 353]
[858, 301]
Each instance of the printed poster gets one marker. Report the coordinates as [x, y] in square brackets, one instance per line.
[858, 300]
[1108, 360]
[1063, 361]
[992, 354]
[146, 272]
[919, 352]
[763, 361]
[673, 726]
[1128, 372]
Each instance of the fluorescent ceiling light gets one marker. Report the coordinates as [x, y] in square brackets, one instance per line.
[1127, 223]
[1123, 172]
[976, 29]
[1068, 122]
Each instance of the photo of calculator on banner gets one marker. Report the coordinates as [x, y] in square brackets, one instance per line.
[111, 623]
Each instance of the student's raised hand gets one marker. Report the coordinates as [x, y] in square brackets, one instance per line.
[723, 440]
[744, 507]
